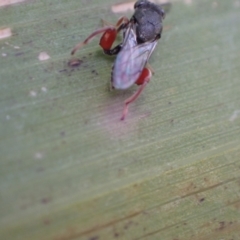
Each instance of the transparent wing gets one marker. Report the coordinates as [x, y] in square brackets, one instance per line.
[130, 61]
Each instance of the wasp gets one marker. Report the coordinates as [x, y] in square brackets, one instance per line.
[140, 36]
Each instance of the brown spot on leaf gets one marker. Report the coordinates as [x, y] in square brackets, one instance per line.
[63, 70]
[116, 235]
[75, 62]
[46, 221]
[73, 234]
[237, 205]
[94, 72]
[221, 225]
[45, 200]
[18, 54]
[94, 238]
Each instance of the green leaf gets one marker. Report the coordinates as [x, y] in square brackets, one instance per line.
[70, 169]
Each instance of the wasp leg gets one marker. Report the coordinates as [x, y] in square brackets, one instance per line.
[142, 81]
[105, 23]
[110, 36]
[121, 21]
[101, 30]
[113, 51]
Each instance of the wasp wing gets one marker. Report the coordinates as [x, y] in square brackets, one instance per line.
[131, 60]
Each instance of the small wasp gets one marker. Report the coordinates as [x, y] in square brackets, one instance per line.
[140, 36]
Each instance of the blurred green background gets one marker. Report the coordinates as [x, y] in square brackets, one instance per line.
[70, 169]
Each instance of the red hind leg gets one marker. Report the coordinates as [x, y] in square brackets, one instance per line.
[143, 79]
[81, 44]
[109, 35]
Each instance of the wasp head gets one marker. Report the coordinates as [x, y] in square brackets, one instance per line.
[148, 21]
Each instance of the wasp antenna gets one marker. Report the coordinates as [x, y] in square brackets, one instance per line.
[106, 23]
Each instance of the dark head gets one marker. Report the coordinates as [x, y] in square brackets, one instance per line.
[148, 20]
